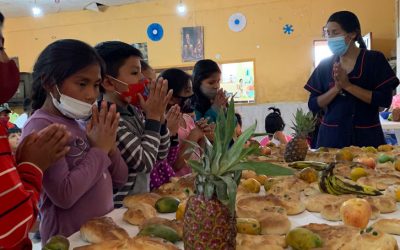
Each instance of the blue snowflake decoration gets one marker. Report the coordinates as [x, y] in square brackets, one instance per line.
[288, 29]
[155, 32]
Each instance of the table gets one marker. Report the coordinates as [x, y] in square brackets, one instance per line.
[389, 125]
[296, 221]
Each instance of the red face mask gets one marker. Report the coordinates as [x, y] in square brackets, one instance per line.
[131, 95]
[9, 81]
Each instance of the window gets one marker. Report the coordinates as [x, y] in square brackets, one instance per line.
[238, 79]
[322, 51]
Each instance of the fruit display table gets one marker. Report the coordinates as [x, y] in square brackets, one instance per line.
[296, 221]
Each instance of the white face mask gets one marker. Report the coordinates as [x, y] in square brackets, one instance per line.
[71, 107]
[210, 93]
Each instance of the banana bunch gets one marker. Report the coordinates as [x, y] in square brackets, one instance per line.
[305, 164]
[331, 184]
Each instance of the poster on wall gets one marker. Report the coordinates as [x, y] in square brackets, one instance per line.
[143, 48]
[192, 44]
[237, 79]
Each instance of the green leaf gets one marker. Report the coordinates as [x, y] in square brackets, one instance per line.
[231, 190]
[221, 191]
[259, 134]
[235, 152]
[197, 167]
[215, 165]
[236, 176]
[230, 124]
[263, 168]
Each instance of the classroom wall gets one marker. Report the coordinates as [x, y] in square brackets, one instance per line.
[283, 63]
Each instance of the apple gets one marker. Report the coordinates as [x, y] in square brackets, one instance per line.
[356, 212]
[367, 161]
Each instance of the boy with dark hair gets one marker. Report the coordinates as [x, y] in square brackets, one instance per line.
[142, 140]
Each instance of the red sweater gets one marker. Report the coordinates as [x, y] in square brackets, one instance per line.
[19, 194]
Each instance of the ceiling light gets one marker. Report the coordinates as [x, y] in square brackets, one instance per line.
[36, 11]
[181, 8]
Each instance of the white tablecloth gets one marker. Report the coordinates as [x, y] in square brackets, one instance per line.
[297, 220]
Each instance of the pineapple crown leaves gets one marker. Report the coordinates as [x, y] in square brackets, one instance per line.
[304, 123]
[221, 163]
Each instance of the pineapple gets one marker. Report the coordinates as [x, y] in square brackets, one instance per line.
[296, 149]
[209, 219]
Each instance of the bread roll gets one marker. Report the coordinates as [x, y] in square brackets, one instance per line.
[390, 226]
[148, 198]
[137, 243]
[138, 213]
[102, 229]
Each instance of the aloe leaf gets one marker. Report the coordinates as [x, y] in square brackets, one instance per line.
[263, 168]
[197, 167]
[231, 190]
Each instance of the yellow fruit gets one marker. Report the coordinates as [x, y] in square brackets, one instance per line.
[261, 179]
[344, 155]
[397, 165]
[308, 174]
[356, 212]
[181, 211]
[385, 148]
[252, 185]
[397, 195]
[269, 183]
[357, 173]
[248, 226]
[247, 174]
[369, 149]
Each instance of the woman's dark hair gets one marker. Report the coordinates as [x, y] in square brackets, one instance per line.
[203, 69]
[178, 79]
[349, 23]
[58, 61]
[239, 119]
[274, 121]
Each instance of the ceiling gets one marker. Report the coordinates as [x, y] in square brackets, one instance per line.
[17, 8]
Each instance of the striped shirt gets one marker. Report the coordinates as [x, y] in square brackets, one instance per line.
[19, 194]
[142, 142]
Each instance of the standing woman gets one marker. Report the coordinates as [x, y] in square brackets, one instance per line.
[350, 87]
[209, 97]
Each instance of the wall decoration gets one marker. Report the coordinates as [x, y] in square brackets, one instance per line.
[237, 78]
[288, 29]
[237, 22]
[143, 48]
[192, 44]
[155, 32]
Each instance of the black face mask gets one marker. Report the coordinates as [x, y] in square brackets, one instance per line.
[185, 103]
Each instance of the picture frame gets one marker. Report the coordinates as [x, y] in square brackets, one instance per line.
[192, 43]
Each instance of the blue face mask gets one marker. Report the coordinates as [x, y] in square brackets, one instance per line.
[338, 45]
